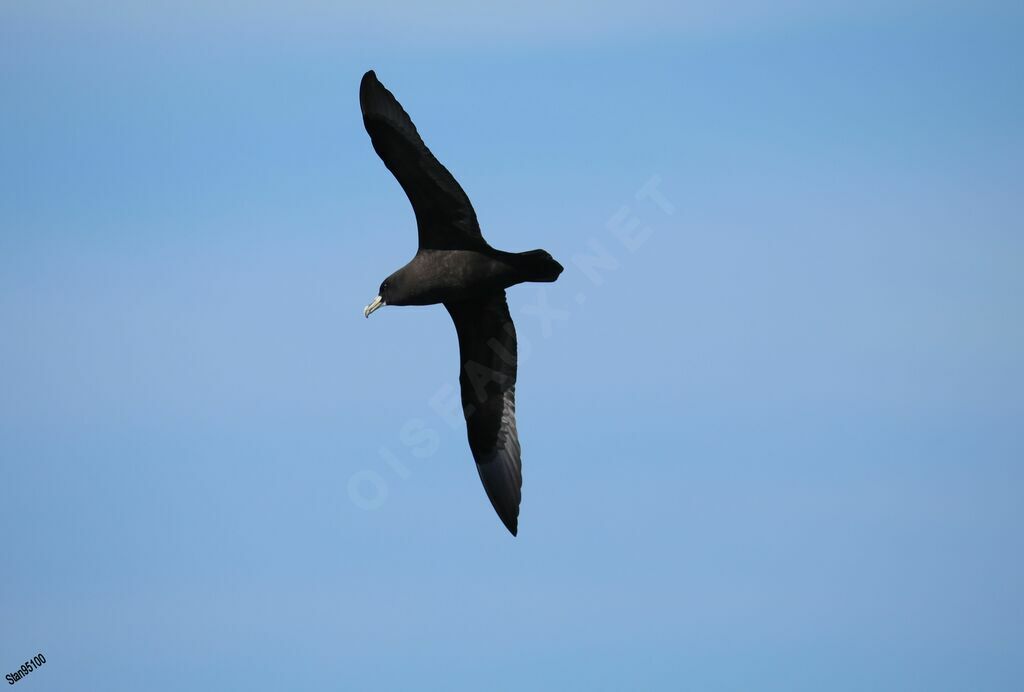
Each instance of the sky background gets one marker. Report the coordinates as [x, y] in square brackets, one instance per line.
[773, 443]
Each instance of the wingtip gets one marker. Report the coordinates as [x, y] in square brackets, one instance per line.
[366, 85]
[510, 518]
[504, 498]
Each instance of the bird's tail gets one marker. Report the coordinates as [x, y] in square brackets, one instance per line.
[538, 265]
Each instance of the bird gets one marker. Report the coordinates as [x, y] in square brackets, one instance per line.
[456, 267]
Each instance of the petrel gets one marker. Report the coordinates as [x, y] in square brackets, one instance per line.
[456, 267]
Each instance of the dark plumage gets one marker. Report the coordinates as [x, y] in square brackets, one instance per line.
[455, 266]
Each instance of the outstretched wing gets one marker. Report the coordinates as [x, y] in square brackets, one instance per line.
[444, 216]
[487, 349]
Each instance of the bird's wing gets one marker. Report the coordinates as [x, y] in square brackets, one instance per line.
[444, 216]
[487, 349]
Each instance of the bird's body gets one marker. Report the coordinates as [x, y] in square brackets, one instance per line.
[456, 267]
[443, 276]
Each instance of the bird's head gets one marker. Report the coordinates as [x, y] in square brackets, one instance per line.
[393, 291]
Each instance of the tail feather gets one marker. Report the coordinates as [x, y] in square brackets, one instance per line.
[538, 265]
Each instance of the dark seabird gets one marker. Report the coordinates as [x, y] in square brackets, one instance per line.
[455, 266]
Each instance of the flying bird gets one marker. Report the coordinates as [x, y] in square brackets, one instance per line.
[456, 267]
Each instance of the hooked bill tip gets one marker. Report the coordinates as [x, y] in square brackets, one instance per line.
[377, 302]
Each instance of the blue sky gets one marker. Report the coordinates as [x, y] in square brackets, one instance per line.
[772, 444]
